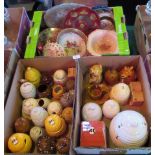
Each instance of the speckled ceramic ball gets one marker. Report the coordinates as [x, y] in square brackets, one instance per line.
[27, 106]
[54, 108]
[120, 93]
[38, 116]
[110, 108]
[36, 132]
[28, 90]
[91, 112]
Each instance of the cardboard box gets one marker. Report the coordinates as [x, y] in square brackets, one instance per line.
[14, 101]
[16, 32]
[145, 109]
[143, 31]
[120, 27]
[147, 62]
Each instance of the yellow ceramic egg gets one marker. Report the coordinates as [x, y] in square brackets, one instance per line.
[20, 143]
[55, 125]
[33, 75]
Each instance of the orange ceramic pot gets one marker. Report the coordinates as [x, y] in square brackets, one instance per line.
[20, 143]
[55, 125]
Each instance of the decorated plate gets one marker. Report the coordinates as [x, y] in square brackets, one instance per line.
[82, 18]
[73, 41]
[47, 35]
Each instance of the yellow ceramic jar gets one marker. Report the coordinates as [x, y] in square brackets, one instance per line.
[33, 75]
[55, 125]
[20, 143]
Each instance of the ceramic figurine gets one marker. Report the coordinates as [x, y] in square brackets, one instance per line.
[60, 76]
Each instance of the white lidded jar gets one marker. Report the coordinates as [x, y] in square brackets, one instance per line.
[128, 129]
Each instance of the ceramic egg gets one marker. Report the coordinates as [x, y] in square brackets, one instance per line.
[91, 112]
[110, 108]
[120, 93]
[33, 75]
[22, 125]
[36, 132]
[38, 116]
[28, 90]
[54, 108]
[27, 106]
[67, 114]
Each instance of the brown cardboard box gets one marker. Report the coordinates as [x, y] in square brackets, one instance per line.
[14, 101]
[143, 31]
[145, 109]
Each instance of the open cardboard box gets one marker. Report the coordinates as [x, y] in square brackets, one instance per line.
[38, 24]
[142, 31]
[14, 101]
[145, 109]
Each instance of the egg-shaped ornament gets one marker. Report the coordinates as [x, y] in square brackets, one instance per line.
[91, 112]
[110, 108]
[36, 132]
[54, 108]
[28, 90]
[27, 106]
[120, 93]
[33, 75]
[38, 116]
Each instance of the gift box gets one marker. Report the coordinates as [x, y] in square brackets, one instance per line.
[145, 109]
[93, 134]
